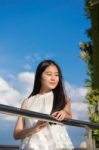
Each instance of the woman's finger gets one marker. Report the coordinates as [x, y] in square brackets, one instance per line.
[59, 116]
[55, 113]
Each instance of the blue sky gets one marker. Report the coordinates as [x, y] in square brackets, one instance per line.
[31, 31]
[47, 29]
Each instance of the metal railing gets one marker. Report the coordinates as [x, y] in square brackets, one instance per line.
[72, 122]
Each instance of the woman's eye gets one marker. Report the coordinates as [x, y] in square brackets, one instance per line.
[57, 75]
[49, 74]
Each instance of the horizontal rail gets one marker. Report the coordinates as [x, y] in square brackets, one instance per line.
[9, 147]
[16, 147]
[18, 111]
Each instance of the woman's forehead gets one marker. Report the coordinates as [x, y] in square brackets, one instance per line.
[52, 68]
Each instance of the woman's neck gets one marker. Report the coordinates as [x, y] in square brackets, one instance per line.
[42, 91]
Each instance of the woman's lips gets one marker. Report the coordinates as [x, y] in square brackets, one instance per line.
[52, 83]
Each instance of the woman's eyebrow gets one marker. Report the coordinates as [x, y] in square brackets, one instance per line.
[52, 72]
[48, 72]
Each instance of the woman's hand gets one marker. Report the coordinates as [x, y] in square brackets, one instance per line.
[40, 125]
[65, 112]
[59, 115]
[23, 133]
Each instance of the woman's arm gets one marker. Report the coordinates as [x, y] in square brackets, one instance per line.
[65, 112]
[20, 132]
[23, 133]
[67, 108]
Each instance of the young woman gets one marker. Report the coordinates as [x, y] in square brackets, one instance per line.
[48, 96]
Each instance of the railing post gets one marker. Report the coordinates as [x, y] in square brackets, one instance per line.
[90, 142]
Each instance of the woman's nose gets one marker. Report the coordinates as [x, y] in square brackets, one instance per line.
[53, 77]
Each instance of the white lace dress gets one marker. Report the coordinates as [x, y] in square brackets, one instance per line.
[53, 137]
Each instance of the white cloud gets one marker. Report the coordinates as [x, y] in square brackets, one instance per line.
[78, 105]
[38, 57]
[49, 55]
[27, 57]
[8, 95]
[32, 58]
[26, 82]
[79, 110]
[26, 77]
[27, 67]
[76, 93]
[11, 76]
[3, 85]
[13, 96]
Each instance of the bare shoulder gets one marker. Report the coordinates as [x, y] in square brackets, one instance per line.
[24, 104]
[67, 99]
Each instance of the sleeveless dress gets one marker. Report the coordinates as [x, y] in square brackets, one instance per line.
[52, 137]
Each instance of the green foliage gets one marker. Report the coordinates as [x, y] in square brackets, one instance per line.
[95, 133]
[86, 54]
[88, 4]
[89, 33]
[93, 96]
[86, 51]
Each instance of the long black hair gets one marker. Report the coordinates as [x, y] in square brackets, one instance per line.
[59, 92]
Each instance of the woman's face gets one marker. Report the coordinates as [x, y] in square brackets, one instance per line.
[49, 78]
